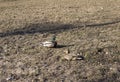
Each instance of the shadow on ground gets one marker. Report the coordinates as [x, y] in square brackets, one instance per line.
[62, 46]
[50, 27]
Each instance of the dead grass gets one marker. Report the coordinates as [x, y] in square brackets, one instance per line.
[88, 27]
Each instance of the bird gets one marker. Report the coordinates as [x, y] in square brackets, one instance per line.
[52, 43]
[71, 56]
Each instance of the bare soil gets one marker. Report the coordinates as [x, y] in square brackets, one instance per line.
[88, 27]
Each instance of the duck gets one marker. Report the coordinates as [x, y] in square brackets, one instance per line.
[71, 56]
[52, 43]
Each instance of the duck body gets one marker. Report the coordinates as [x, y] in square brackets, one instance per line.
[71, 56]
[50, 44]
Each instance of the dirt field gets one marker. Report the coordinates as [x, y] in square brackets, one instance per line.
[88, 27]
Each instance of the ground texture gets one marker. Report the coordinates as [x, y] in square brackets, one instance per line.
[88, 27]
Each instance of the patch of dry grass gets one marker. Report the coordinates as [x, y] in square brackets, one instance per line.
[88, 27]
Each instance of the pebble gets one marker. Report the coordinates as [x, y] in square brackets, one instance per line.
[114, 69]
[12, 77]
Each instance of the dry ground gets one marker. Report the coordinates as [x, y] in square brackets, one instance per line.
[89, 27]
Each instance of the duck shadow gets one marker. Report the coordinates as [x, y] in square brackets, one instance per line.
[62, 46]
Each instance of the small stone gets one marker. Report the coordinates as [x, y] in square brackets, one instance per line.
[107, 53]
[19, 64]
[31, 71]
[36, 80]
[5, 48]
[18, 71]
[1, 58]
[114, 69]
[1, 49]
[12, 77]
